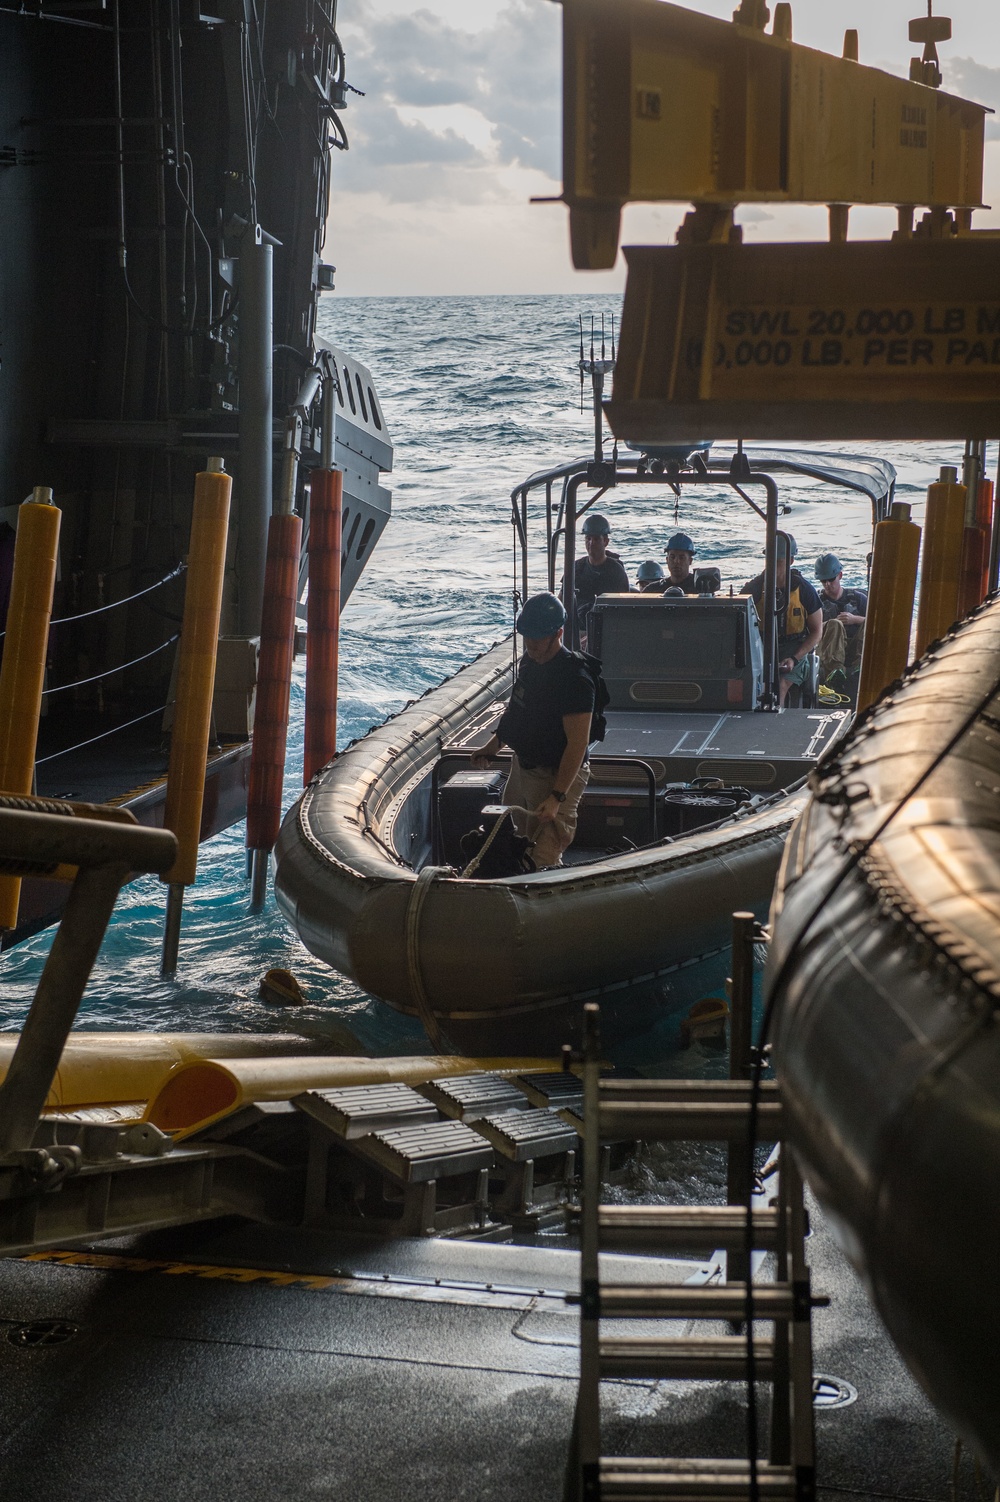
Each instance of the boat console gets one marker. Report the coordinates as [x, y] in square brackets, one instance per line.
[679, 652]
[686, 679]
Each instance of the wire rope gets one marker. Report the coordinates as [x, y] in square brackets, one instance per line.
[103, 735]
[108, 672]
[64, 620]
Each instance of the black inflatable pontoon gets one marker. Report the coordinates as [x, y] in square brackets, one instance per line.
[885, 974]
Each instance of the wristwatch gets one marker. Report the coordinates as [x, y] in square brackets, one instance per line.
[559, 797]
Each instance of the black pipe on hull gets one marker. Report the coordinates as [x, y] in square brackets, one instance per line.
[884, 973]
[253, 501]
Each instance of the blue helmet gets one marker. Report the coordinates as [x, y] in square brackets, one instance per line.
[540, 616]
[828, 566]
[787, 547]
[649, 570]
[680, 543]
[596, 525]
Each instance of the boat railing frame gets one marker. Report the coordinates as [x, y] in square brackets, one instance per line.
[605, 476]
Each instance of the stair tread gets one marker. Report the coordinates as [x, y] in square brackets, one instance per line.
[697, 1480]
[352, 1111]
[420, 1153]
[519, 1135]
[705, 1301]
[695, 1466]
[702, 1345]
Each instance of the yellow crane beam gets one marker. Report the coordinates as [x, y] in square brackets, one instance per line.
[662, 104]
[871, 339]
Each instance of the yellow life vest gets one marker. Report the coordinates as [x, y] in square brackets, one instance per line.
[795, 616]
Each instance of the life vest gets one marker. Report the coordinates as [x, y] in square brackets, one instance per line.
[795, 615]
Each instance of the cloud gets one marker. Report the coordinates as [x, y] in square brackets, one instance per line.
[507, 73]
[977, 81]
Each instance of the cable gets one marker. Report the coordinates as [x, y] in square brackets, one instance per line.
[64, 620]
[103, 735]
[850, 865]
[82, 682]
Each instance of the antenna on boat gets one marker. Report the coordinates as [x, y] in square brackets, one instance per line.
[597, 367]
[581, 361]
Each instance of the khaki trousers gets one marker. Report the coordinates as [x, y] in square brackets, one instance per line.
[837, 648]
[529, 789]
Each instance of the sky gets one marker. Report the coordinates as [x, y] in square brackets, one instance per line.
[459, 128]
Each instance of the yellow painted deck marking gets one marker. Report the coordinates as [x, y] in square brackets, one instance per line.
[111, 1262]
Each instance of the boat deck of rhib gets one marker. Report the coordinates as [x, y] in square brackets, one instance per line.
[692, 792]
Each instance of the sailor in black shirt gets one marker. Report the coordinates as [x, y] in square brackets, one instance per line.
[601, 572]
[547, 725]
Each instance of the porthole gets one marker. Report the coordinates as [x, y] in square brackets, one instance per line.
[354, 531]
[338, 387]
[373, 409]
[350, 391]
[366, 536]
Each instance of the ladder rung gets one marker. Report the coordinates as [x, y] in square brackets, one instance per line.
[661, 1228]
[669, 1120]
[720, 1358]
[773, 1301]
[691, 1480]
[709, 1091]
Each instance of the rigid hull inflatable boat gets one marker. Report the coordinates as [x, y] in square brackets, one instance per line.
[885, 969]
[692, 794]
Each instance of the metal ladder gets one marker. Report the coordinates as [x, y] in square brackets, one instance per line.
[667, 1110]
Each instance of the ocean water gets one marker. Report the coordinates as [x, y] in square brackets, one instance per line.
[478, 393]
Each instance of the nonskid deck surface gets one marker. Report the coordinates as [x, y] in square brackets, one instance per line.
[235, 1364]
[794, 734]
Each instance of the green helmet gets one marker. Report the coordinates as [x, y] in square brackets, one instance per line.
[596, 525]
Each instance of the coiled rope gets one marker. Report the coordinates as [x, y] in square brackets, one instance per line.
[511, 808]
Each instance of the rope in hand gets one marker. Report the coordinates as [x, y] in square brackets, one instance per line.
[511, 808]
